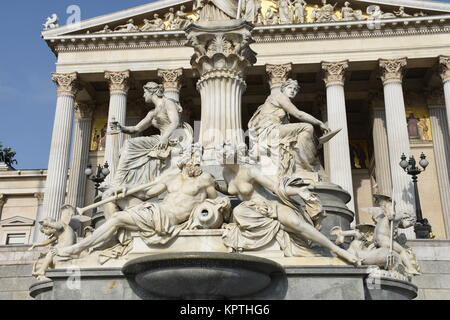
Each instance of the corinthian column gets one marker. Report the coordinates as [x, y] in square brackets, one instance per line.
[118, 88]
[380, 143]
[278, 74]
[221, 56]
[80, 154]
[171, 82]
[397, 130]
[441, 144]
[55, 192]
[339, 166]
[444, 63]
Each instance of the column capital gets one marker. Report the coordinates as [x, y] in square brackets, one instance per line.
[119, 82]
[392, 70]
[172, 79]
[334, 72]
[66, 83]
[278, 74]
[84, 110]
[40, 197]
[444, 68]
[435, 97]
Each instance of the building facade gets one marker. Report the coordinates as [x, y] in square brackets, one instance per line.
[378, 70]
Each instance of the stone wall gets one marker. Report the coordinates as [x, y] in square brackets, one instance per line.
[16, 263]
[434, 258]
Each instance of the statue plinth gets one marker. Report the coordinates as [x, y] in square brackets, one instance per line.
[222, 54]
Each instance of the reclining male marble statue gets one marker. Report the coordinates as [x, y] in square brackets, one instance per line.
[158, 222]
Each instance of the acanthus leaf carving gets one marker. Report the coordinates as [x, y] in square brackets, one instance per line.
[334, 72]
[118, 81]
[66, 83]
[392, 70]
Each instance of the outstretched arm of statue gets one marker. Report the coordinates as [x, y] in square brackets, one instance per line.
[43, 243]
[141, 126]
[290, 108]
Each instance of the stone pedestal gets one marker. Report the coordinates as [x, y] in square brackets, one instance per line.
[222, 53]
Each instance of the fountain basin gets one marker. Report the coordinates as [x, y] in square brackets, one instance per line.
[201, 275]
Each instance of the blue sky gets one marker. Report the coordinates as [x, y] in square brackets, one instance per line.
[27, 95]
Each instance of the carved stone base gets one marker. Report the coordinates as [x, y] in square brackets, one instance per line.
[295, 283]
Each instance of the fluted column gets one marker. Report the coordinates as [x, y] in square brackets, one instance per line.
[221, 56]
[278, 74]
[39, 196]
[381, 147]
[118, 88]
[2, 203]
[172, 82]
[339, 168]
[441, 143]
[444, 63]
[397, 129]
[55, 192]
[80, 154]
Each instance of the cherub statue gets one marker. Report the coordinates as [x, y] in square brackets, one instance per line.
[128, 27]
[378, 245]
[60, 235]
[52, 22]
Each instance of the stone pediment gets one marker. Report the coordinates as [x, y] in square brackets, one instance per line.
[17, 221]
[133, 20]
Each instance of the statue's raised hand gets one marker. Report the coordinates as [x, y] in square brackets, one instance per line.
[325, 128]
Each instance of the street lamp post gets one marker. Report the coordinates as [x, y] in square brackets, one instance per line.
[422, 228]
[99, 178]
